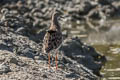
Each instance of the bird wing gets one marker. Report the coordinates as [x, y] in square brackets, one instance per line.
[52, 40]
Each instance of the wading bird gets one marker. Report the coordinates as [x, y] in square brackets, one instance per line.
[53, 37]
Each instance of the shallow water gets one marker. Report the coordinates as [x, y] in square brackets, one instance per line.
[111, 70]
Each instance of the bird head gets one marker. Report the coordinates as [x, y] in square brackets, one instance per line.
[57, 14]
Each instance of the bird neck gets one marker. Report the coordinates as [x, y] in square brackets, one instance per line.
[55, 24]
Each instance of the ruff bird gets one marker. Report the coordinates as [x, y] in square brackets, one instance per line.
[53, 37]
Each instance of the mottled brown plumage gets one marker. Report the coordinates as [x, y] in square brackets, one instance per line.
[53, 37]
[52, 40]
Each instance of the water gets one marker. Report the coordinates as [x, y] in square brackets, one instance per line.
[105, 39]
[111, 70]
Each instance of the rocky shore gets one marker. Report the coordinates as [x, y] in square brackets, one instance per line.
[22, 27]
[21, 58]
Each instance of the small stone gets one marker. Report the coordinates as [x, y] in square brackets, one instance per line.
[45, 76]
[4, 68]
[14, 60]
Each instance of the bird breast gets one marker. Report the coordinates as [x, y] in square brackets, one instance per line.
[52, 40]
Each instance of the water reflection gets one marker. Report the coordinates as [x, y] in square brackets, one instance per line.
[108, 33]
[111, 70]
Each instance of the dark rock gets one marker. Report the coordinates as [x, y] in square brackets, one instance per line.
[72, 75]
[27, 52]
[74, 49]
[45, 76]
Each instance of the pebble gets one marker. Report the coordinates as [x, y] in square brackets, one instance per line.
[4, 68]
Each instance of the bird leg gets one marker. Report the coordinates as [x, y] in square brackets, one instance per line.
[49, 59]
[56, 60]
